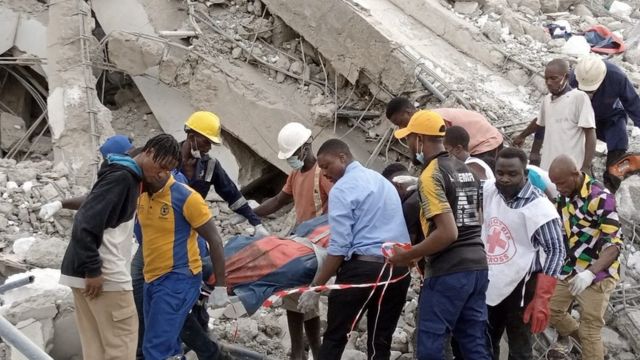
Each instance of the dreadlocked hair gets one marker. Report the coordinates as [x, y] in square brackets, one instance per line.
[165, 149]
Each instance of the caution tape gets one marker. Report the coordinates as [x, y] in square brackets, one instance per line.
[387, 251]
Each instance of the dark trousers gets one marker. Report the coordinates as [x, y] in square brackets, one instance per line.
[194, 333]
[612, 182]
[345, 304]
[454, 304]
[508, 316]
[137, 280]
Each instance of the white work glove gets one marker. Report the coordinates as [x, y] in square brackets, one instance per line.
[260, 231]
[308, 301]
[219, 297]
[50, 209]
[580, 282]
[236, 219]
[410, 181]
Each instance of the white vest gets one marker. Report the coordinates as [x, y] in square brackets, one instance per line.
[487, 170]
[506, 234]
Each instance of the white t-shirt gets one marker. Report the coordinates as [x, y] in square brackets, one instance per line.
[487, 170]
[565, 119]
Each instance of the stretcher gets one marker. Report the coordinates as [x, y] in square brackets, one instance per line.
[256, 268]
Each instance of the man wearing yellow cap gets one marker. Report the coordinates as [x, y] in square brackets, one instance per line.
[452, 300]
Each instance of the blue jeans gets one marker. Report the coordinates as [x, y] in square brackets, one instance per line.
[167, 302]
[454, 304]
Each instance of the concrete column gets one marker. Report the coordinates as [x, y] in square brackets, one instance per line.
[78, 121]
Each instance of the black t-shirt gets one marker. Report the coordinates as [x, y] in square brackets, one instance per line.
[448, 186]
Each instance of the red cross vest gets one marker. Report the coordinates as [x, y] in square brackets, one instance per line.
[506, 234]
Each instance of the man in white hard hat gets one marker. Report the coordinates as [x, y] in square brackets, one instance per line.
[613, 99]
[309, 192]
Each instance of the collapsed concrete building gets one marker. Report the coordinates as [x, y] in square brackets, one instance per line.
[73, 73]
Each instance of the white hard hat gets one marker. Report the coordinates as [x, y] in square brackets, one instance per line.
[590, 72]
[291, 137]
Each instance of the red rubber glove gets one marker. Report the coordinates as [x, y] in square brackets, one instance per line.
[537, 310]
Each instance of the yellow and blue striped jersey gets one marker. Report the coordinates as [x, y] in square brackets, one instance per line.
[165, 230]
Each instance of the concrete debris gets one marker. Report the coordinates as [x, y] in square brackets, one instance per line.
[628, 199]
[465, 7]
[12, 129]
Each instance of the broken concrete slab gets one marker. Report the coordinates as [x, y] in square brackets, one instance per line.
[34, 331]
[134, 54]
[12, 129]
[8, 29]
[46, 253]
[452, 29]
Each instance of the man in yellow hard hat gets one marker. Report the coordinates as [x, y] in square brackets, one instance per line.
[202, 171]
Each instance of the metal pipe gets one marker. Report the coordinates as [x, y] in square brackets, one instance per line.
[16, 284]
[18, 340]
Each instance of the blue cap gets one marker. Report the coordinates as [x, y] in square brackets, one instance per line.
[117, 144]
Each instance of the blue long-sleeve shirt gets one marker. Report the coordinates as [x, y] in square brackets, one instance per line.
[364, 212]
[548, 236]
[614, 100]
[209, 173]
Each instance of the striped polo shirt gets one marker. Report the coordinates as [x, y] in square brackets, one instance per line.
[165, 229]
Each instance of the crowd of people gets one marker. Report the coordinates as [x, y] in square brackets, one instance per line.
[506, 242]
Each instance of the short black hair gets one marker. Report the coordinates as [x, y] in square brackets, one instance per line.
[165, 148]
[457, 135]
[398, 104]
[513, 153]
[334, 147]
[561, 64]
[393, 169]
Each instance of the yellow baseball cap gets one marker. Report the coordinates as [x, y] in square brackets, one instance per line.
[423, 122]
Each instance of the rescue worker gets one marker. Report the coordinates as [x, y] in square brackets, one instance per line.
[364, 213]
[456, 142]
[309, 192]
[591, 268]
[568, 116]
[409, 197]
[485, 140]
[613, 99]
[170, 217]
[519, 224]
[202, 172]
[452, 299]
[96, 262]
[117, 144]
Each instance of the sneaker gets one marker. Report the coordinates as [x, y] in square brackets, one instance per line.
[561, 349]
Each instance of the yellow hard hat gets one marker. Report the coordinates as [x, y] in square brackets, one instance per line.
[423, 122]
[206, 124]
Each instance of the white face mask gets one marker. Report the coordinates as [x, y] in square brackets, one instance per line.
[195, 153]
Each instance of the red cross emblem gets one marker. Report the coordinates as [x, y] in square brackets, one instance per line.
[495, 240]
[499, 242]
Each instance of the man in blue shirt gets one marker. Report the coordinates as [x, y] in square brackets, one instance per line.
[364, 212]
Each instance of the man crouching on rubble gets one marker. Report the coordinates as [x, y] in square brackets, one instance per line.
[591, 268]
[171, 215]
[96, 262]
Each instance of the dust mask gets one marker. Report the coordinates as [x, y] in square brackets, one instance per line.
[195, 153]
[419, 158]
[295, 162]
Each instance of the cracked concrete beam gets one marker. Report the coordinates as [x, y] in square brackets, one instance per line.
[342, 32]
[454, 30]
